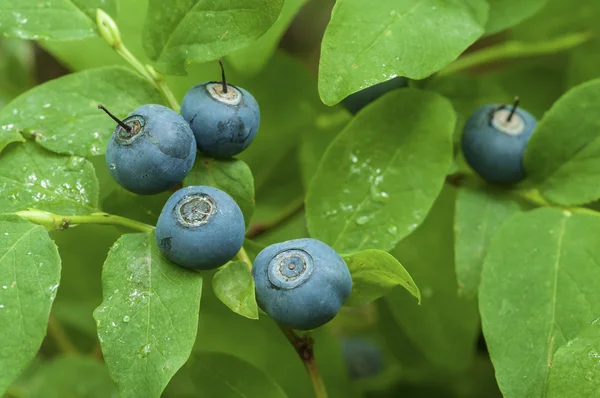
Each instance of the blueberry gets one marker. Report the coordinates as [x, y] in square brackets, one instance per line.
[224, 118]
[494, 141]
[200, 228]
[363, 357]
[301, 283]
[151, 151]
[356, 101]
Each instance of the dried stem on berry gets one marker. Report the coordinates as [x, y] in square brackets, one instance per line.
[116, 119]
[514, 109]
[223, 80]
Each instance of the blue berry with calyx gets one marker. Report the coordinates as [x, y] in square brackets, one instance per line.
[223, 117]
[151, 151]
[301, 283]
[494, 142]
[200, 228]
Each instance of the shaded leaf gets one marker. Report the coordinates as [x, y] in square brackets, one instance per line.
[380, 176]
[374, 274]
[232, 176]
[506, 13]
[538, 291]
[479, 213]
[29, 278]
[45, 20]
[563, 155]
[31, 177]
[63, 114]
[445, 327]
[73, 377]
[368, 43]
[148, 319]
[173, 39]
[234, 286]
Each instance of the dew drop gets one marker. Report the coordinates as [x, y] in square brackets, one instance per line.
[362, 220]
[112, 166]
[126, 318]
[1, 306]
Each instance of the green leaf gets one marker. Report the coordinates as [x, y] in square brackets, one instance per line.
[73, 377]
[53, 19]
[563, 155]
[234, 286]
[368, 43]
[29, 278]
[215, 374]
[382, 173]
[507, 13]
[31, 177]
[538, 291]
[229, 175]
[63, 114]
[148, 320]
[479, 213]
[374, 274]
[251, 59]
[574, 371]
[445, 327]
[226, 26]
[583, 62]
[316, 140]
[16, 68]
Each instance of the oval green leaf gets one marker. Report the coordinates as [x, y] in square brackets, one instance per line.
[51, 20]
[370, 42]
[31, 177]
[479, 213]
[216, 374]
[538, 291]
[380, 176]
[563, 155]
[574, 371]
[234, 286]
[63, 114]
[199, 31]
[148, 319]
[29, 278]
[232, 176]
[374, 274]
[507, 13]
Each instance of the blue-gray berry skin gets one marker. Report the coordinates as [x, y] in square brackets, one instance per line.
[156, 155]
[364, 358]
[494, 146]
[358, 100]
[224, 123]
[301, 283]
[200, 228]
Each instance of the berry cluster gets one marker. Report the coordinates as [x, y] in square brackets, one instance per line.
[301, 283]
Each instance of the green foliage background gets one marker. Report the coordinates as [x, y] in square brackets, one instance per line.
[470, 290]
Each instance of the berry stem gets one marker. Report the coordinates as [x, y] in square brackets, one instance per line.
[514, 50]
[54, 221]
[110, 32]
[116, 119]
[284, 215]
[513, 110]
[223, 80]
[304, 346]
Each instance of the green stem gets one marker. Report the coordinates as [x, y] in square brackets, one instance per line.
[54, 221]
[243, 256]
[304, 346]
[289, 211]
[58, 334]
[110, 32]
[515, 49]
